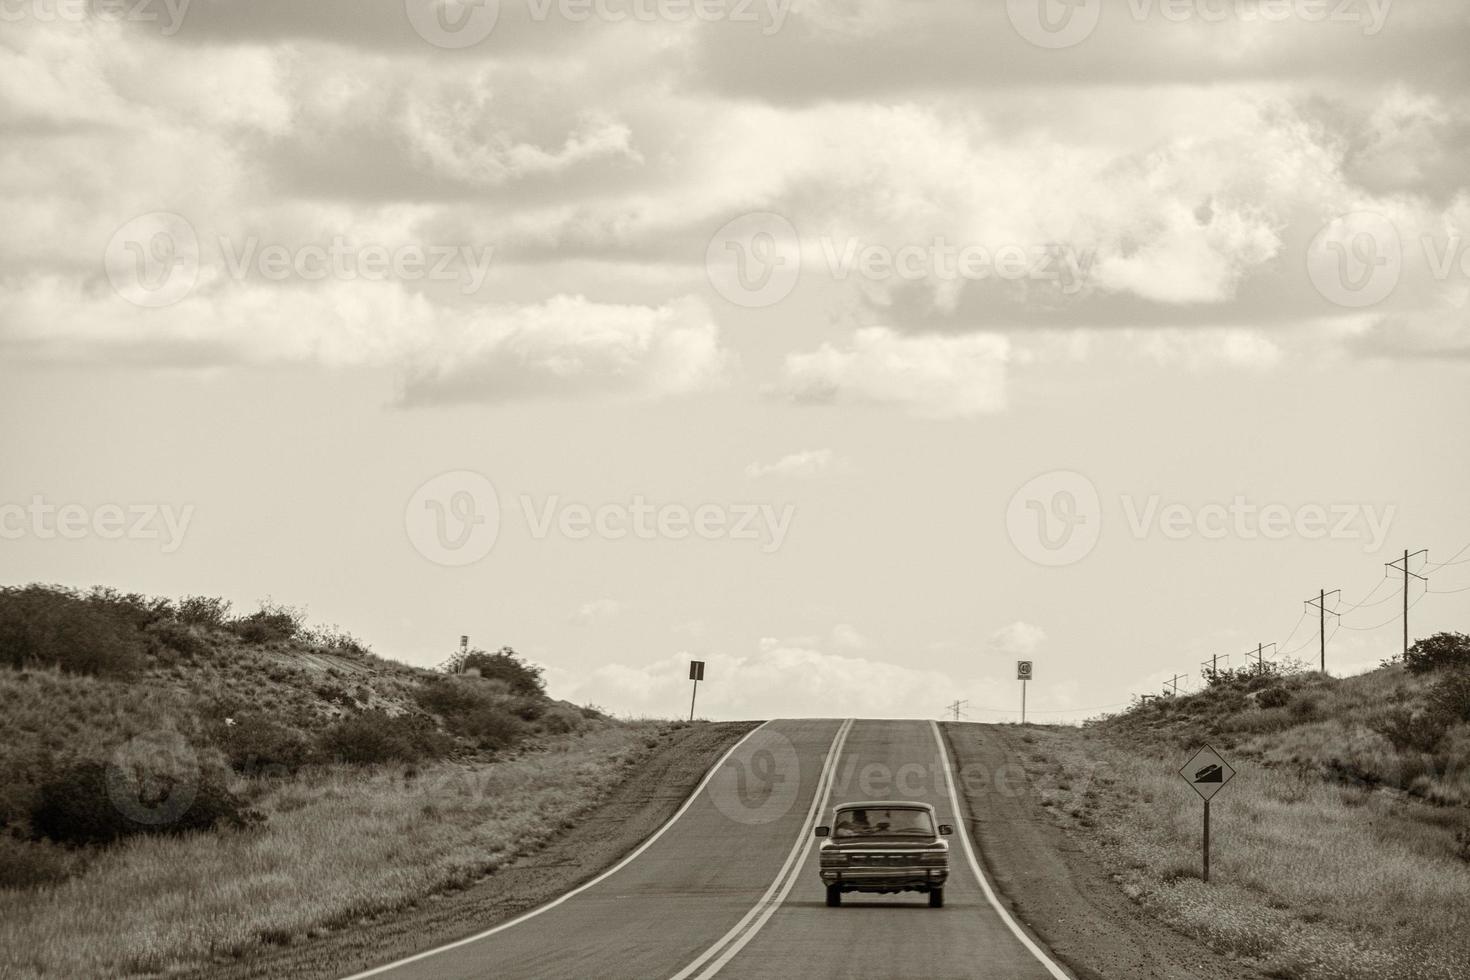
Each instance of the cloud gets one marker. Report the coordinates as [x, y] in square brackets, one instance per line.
[777, 680]
[1017, 639]
[932, 376]
[812, 462]
[596, 611]
[847, 636]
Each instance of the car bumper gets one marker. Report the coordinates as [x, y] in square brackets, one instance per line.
[885, 879]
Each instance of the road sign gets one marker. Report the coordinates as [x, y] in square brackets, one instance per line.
[696, 670]
[1207, 773]
[1023, 670]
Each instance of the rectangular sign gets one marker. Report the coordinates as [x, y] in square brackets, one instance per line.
[1023, 670]
[696, 670]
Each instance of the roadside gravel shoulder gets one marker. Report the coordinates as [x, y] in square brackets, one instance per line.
[1052, 882]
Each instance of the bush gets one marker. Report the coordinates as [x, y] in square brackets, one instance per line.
[374, 738]
[272, 624]
[31, 864]
[474, 708]
[256, 745]
[209, 612]
[1274, 697]
[94, 803]
[46, 626]
[561, 719]
[1418, 731]
[1451, 696]
[1438, 652]
[178, 638]
[523, 678]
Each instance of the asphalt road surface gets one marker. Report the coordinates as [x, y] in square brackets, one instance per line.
[729, 886]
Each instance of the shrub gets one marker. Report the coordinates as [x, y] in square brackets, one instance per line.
[92, 802]
[209, 612]
[177, 637]
[1438, 652]
[256, 745]
[30, 864]
[523, 678]
[1451, 696]
[47, 626]
[271, 624]
[561, 719]
[474, 708]
[1418, 731]
[1274, 697]
[374, 737]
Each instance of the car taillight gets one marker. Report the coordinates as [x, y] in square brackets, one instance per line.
[833, 857]
[934, 858]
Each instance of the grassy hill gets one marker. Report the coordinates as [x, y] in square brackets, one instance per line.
[1341, 850]
[182, 785]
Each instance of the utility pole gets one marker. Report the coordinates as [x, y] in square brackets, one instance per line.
[955, 708]
[1260, 654]
[1214, 663]
[1407, 573]
[1175, 683]
[1321, 605]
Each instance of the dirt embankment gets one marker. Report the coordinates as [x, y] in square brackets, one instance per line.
[1066, 897]
[595, 841]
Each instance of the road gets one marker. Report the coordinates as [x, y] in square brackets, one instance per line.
[729, 886]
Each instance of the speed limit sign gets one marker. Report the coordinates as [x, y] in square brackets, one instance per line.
[1023, 670]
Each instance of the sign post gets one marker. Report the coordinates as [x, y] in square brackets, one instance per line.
[1023, 674]
[696, 674]
[1208, 773]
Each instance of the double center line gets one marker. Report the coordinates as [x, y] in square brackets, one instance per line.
[713, 960]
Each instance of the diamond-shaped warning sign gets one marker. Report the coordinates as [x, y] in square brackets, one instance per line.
[1207, 772]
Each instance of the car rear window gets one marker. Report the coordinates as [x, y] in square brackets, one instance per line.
[888, 822]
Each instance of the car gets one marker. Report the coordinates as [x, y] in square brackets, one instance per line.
[884, 846]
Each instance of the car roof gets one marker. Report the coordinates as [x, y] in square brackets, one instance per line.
[886, 805]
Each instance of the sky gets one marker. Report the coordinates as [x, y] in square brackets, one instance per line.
[859, 349]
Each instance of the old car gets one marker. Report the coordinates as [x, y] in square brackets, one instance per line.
[884, 846]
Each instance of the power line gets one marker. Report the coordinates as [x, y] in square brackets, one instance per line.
[1390, 619]
[1442, 564]
[1320, 604]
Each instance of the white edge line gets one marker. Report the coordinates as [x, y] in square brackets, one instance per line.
[628, 859]
[806, 841]
[959, 815]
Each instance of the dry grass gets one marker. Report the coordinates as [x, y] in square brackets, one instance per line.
[1315, 879]
[337, 847]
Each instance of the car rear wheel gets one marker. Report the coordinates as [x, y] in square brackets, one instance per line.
[834, 896]
[936, 898]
